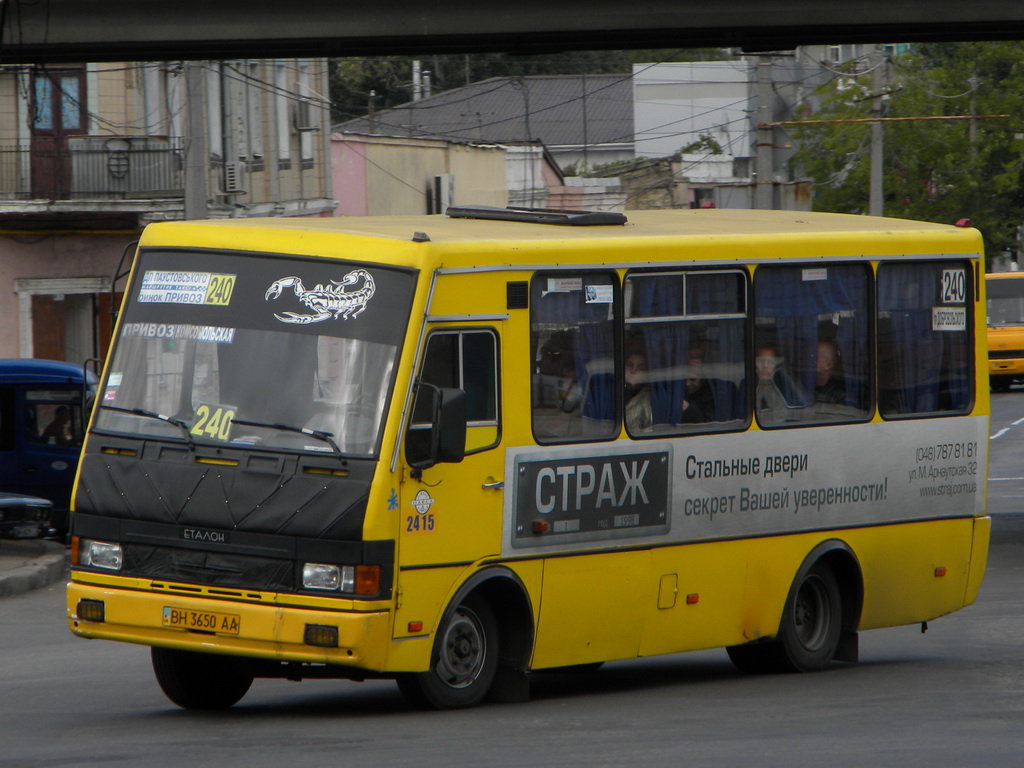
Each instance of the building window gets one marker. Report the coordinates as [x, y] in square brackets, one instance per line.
[254, 108]
[282, 113]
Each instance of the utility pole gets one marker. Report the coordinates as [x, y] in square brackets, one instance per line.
[417, 81]
[876, 201]
[972, 127]
[196, 152]
[764, 189]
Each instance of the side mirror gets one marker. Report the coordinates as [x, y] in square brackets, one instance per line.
[438, 429]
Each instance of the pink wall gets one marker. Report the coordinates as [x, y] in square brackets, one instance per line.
[348, 158]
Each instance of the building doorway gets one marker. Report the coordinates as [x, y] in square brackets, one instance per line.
[65, 319]
[58, 111]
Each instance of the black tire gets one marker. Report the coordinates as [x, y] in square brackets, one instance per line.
[199, 680]
[463, 663]
[808, 634]
[813, 621]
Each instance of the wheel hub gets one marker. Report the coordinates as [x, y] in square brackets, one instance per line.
[464, 650]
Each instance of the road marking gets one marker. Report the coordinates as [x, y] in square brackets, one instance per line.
[1004, 430]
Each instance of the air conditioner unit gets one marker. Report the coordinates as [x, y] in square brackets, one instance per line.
[304, 116]
[234, 179]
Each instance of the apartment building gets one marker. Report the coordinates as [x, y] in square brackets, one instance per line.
[91, 154]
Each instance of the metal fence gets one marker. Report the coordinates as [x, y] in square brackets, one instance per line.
[94, 168]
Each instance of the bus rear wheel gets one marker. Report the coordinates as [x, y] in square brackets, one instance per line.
[463, 663]
[199, 680]
[809, 633]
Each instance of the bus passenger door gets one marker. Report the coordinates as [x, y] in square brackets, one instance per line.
[451, 511]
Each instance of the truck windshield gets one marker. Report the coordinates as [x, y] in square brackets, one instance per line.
[294, 350]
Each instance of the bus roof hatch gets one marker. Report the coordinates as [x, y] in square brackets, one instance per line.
[537, 215]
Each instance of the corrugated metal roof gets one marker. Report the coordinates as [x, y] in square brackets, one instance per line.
[556, 110]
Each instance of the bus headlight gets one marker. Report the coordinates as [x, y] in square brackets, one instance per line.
[322, 576]
[100, 554]
[352, 579]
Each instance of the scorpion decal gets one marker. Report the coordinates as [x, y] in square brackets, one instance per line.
[327, 301]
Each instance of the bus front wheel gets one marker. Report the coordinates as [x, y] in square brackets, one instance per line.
[463, 663]
[808, 634]
[199, 680]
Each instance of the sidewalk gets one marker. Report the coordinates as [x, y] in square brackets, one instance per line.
[27, 564]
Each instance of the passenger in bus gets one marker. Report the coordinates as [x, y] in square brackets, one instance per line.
[771, 405]
[638, 392]
[58, 431]
[556, 369]
[828, 384]
[698, 403]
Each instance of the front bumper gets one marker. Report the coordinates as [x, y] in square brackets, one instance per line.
[265, 629]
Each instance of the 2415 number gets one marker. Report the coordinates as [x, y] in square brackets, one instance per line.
[419, 523]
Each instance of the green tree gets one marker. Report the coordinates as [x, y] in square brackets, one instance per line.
[934, 170]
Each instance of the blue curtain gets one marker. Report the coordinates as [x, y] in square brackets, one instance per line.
[668, 344]
[925, 370]
[718, 294]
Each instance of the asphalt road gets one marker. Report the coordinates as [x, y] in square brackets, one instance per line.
[951, 697]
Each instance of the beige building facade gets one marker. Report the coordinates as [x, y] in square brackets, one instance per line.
[383, 175]
[90, 154]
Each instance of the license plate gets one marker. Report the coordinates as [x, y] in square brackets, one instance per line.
[202, 621]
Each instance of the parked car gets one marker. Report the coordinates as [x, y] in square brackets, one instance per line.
[44, 407]
[24, 517]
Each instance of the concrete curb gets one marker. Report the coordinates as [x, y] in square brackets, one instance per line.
[28, 565]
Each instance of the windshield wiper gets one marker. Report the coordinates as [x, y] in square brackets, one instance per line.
[158, 416]
[327, 437]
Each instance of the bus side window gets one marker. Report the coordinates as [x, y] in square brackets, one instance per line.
[812, 344]
[684, 352]
[467, 360]
[8, 438]
[52, 424]
[573, 384]
[924, 337]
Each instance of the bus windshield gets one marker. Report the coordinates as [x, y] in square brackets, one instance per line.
[1005, 300]
[206, 341]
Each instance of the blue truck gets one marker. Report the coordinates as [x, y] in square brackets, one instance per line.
[44, 408]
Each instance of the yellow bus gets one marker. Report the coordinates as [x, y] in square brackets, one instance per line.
[1005, 291]
[454, 450]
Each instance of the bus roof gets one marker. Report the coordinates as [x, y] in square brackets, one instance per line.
[424, 241]
[31, 370]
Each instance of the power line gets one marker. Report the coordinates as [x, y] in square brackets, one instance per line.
[885, 119]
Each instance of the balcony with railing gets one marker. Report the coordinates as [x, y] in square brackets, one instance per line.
[91, 170]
